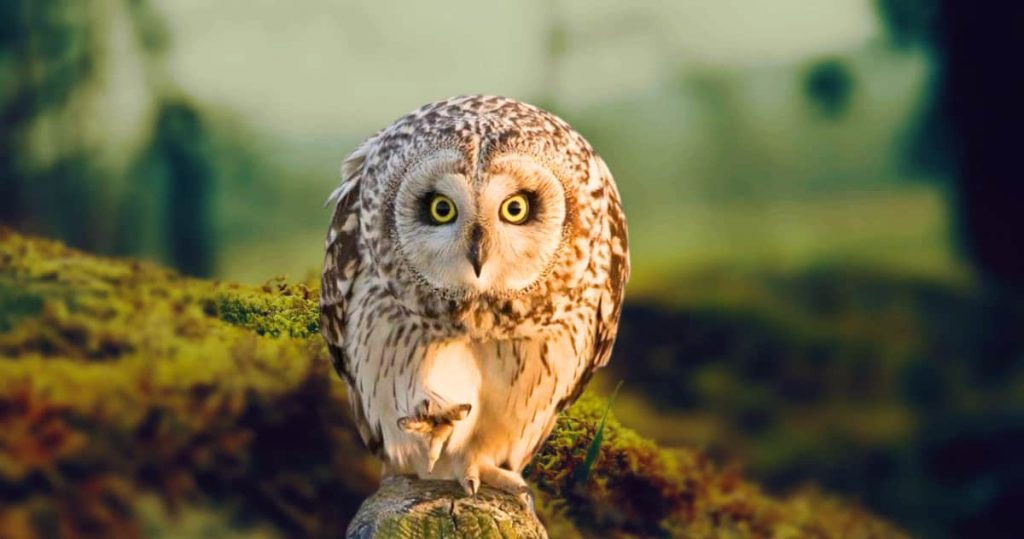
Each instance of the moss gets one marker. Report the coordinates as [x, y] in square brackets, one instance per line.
[276, 309]
[409, 509]
[860, 379]
[121, 380]
[638, 489]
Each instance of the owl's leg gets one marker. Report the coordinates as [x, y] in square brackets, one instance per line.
[477, 470]
[434, 422]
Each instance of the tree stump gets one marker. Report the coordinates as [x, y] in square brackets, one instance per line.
[413, 508]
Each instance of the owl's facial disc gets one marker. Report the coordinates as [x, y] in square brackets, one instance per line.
[494, 237]
[521, 212]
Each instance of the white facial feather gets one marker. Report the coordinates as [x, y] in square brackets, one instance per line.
[515, 256]
[520, 254]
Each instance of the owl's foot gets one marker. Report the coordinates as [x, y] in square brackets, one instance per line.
[470, 480]
[435, 423]
[508, 481]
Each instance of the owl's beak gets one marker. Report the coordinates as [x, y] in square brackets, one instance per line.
[476, 254]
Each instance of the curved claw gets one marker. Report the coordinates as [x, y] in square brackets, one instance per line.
[525, 495]
[471, 485]
[470, 480]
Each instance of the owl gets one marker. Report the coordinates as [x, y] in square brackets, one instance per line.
[473, 280]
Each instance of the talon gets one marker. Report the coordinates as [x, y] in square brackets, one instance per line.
[470, 479]
[471, 485]
[437, 440]
[526, 497]
[461, 411]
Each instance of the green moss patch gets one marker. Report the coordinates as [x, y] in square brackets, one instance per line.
[122, 382]
[637, 489]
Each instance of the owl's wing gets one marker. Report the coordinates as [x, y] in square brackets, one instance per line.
[341, 268]
[609, 305]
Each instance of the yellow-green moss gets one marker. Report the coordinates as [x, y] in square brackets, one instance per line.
[638, 489]
[276, 309]
[117, 377]
[120, 378]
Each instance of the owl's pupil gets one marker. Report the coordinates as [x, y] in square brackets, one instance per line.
[443, 208]
[515, 208]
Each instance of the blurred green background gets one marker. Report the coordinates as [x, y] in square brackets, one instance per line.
[816, 295]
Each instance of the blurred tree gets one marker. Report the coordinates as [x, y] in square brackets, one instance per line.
[982, 94]
[975, 117]
[977, 104]
[85, 95]
[908, 22]
[829, 85]
[180, 146]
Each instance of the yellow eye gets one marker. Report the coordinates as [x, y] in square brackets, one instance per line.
[515, 209]
[442, 209]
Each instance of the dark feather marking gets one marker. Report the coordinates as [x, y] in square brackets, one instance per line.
[544, 358]
[408, 360]
[520, 364]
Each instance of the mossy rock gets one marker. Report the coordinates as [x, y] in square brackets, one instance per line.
[122, 381]
[414, 509]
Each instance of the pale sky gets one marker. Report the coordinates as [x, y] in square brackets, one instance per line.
[306, 67]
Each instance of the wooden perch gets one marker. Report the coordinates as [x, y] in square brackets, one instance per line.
[412, 509]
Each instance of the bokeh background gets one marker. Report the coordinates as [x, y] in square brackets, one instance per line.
[827, 253]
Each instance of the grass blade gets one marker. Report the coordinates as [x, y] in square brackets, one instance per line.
[583, 472]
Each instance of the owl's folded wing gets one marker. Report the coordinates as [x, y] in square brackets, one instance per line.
[341, 268]
[609, 305]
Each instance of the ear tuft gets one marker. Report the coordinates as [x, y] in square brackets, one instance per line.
[351, 169]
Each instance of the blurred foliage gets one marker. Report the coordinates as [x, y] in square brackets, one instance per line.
[967, 127]
[640, 490]
[905, 391]
[96, 145]
[119, 378]
[890, 386]
[829, 85]
[297, 317]
[929, 149]
[908, 22]
[121, 381]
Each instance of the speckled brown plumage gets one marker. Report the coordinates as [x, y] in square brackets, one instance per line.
[453, 374]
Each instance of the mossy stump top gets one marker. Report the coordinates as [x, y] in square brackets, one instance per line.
[414, 509]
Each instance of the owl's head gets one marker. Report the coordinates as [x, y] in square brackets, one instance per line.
[493, 230]
[475, 196]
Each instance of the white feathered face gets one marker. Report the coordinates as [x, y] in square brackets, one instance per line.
[495, 237]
